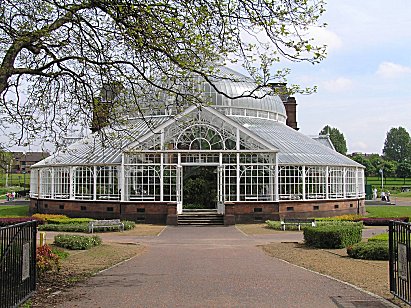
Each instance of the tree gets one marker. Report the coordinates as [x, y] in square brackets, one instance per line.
[337, 138]
[404, 170]
[397, 145]
[57, 55]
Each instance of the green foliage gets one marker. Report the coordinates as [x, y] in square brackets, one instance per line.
[388, 211]
[404, 170]
[397, 145]
[337, 138]
[276, 225]
[82, 226]
[46, 260]
[76, 242]
[200, 187]
[175, 39]
[128, 225]
[67, 220]
[337, 235]
[14, 211]
[348, 217]
[62, 254]
[374, 250]
[77, 227]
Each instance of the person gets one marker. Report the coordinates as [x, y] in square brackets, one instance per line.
[375, 194]
[383, 196]
[13, 195]
[8, 196]
[387, 197]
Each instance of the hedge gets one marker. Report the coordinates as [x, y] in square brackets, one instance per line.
[373, 250]
[332, 236]
[83, 227]
[380, 237]
[67, 220]
[76, 242]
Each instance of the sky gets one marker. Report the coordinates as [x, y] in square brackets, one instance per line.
[364, 84]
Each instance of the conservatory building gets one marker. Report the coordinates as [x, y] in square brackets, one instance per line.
[236, 157]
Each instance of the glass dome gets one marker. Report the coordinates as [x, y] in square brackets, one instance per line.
[241, 97]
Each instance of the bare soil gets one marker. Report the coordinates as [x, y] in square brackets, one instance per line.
[53, 288]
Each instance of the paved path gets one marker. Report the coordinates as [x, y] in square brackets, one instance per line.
[213, 267]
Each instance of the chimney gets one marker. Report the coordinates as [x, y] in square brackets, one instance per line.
[290, 104]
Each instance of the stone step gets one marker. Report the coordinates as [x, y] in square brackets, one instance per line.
[197, 217]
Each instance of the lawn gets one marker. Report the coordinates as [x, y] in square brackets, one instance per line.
[385, 211]
[14, 210]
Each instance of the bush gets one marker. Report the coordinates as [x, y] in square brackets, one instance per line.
[333, 235]
[76, 242]
[129, 225]
[75, 227]
[46, 260]
[276, 225]
[374, 250]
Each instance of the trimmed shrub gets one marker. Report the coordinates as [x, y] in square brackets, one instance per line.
[76, 242]
[333, 235]
[374, 250]
[67, 220]
[46, 217]
[348, 217]
[369, 221]
[75, 227]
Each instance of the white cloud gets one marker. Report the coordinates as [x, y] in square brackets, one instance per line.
[338, 85]
[326, 37]
[392, 70]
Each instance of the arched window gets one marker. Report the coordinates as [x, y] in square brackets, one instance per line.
[200, 137]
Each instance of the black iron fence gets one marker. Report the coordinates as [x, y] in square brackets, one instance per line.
[400, 260]
[17, 263]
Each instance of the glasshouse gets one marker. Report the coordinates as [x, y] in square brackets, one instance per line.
[241, 159]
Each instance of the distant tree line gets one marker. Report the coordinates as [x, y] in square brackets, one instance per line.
[395, 160]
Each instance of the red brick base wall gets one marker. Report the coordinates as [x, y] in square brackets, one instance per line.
[165, 212]
[151, 213]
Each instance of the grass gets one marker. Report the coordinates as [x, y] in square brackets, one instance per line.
[388, 211]
[14, 211]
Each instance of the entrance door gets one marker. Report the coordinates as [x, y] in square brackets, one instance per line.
[200, 189]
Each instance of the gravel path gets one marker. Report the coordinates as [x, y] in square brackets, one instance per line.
[213, 267]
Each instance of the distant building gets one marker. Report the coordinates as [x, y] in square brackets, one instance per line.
[22, 161]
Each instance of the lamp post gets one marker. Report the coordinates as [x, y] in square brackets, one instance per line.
[382, 178]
